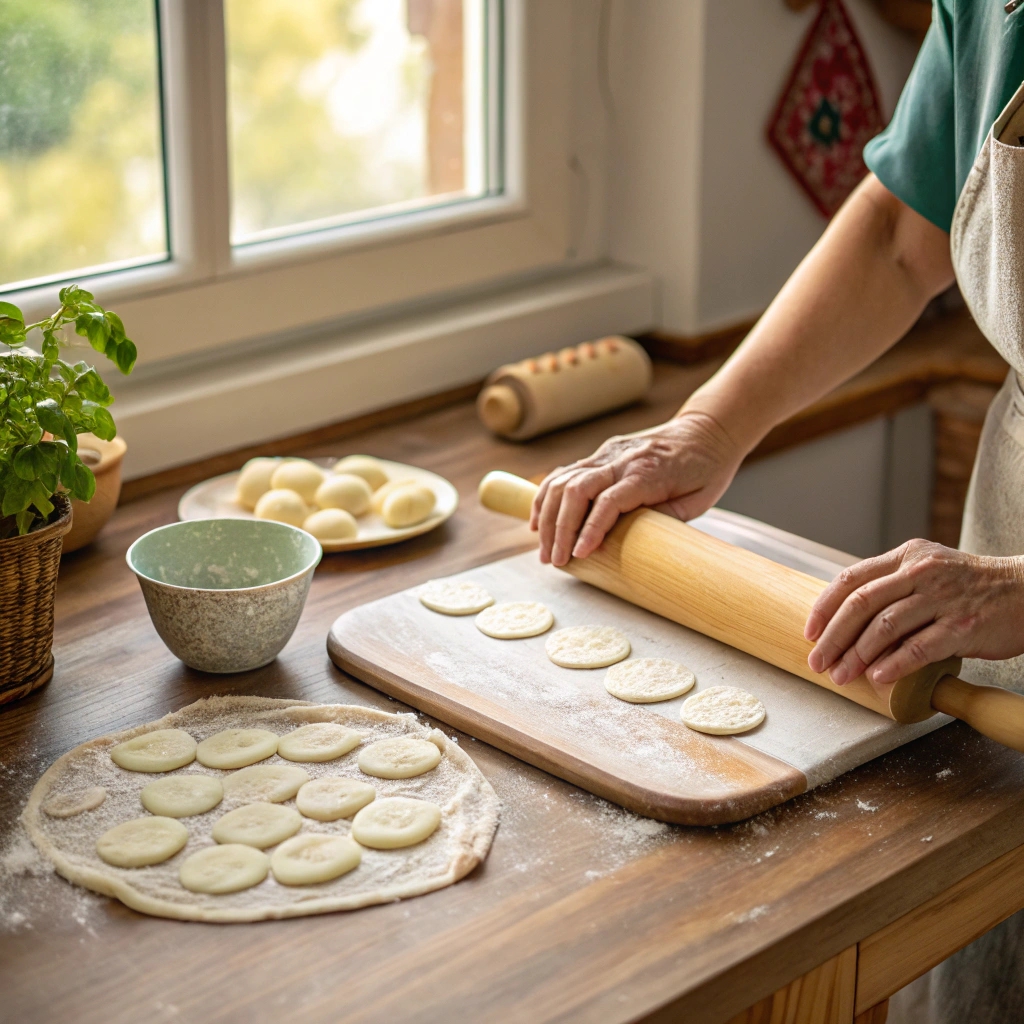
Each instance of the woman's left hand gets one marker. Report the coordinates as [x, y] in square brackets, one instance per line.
[920, 603]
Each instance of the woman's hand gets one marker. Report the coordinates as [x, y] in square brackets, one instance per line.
[684, 465]
[891, 615]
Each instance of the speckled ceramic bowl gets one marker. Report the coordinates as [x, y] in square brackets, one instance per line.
[225, 595]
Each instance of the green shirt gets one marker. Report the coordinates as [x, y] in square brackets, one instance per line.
[970, 65]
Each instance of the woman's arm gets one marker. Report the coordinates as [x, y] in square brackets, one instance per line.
[854, 295]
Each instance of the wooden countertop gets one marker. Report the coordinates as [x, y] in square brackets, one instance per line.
[580, 913]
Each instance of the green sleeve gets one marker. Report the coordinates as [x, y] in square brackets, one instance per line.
[915, 157]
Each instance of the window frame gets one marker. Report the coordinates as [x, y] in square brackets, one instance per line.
[290, 286]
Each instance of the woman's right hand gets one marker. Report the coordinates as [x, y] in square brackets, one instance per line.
[683, 466]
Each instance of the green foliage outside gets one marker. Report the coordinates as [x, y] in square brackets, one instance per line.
[41, 394]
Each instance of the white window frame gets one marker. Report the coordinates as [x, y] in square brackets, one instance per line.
[294, 284]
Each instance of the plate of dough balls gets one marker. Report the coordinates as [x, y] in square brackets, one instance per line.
[355, 502]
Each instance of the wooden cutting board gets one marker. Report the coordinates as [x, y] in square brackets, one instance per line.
[508, 693]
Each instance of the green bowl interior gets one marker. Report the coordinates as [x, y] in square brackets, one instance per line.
[223, 554]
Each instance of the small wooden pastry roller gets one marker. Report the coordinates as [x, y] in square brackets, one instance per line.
[522, 400]
[758, 606]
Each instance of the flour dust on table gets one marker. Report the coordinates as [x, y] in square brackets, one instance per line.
[241, 843]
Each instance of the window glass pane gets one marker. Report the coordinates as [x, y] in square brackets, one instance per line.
[81, 163]
[346, 110]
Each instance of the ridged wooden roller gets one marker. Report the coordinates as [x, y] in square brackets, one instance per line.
[757, 606]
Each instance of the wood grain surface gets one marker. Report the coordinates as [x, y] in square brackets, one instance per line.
[580, 913]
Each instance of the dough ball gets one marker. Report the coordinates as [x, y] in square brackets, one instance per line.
[76, 801]
[455, 597]
[332, 797]
[272, 783]
[587, 646]
[162, 750]
[515, 620]
[221, 869]
[258, 825]
[347, 491]
[382, 493]
[394, 822]
[254, 481]
[318, 741]
[312, 858]
[399, 757]
[408, 505]
[144, 841]
[299, 476]
[646, 680]
[236, 748]
[282, 506]
[365, 466]
[181, 796]
[722, 711]
[331, 524]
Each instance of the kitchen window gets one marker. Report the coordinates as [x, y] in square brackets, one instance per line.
[277, 166]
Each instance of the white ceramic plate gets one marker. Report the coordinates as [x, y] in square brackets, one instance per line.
[215, 499]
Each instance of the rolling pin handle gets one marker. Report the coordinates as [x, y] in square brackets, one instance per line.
[505, 492]
[991, 710]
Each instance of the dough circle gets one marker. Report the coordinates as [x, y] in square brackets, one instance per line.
[515, 620]
[300, 476]
[162, 750]
[254, 481]
[722, 711]
[236, 748]
[399, 757]
[587, 646]
[365, 466]
[222, 869]
[258, 825]
[395, 822]
[333, 797]
[270, 783]
[345, 491]
[331, 524]
[181, 796]
[75, 801]
[646, 680]
[455, 597]
[282, 506]
[141, 842]
[312, 858]
[318, 741]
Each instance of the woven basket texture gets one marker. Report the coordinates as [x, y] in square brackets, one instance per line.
[28, 583]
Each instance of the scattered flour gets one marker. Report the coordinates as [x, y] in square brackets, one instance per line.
[866, 805]
[944, 774]
[927, 839]
[753, 913]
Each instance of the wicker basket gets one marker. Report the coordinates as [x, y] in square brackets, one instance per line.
[28, 584]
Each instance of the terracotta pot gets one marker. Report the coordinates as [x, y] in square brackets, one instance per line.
[28, 584]
[104, 459]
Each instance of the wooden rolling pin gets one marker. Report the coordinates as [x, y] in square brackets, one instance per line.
[522, 400]
[758, 606]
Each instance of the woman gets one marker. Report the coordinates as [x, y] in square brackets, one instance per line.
[945, 199]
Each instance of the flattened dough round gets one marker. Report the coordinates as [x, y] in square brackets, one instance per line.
[515, 620]
[455, 597]
[333, 797]
[399, 757]
[722, 711]
[222, 869]
[162, 750]
[587, 646]
[143, 841]
[646, 680]
[394, 822]
[312, 858]
[269, 783]
[259, 825]
[318, 741]
[236, 748]
[74, 801]
[181, 796]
